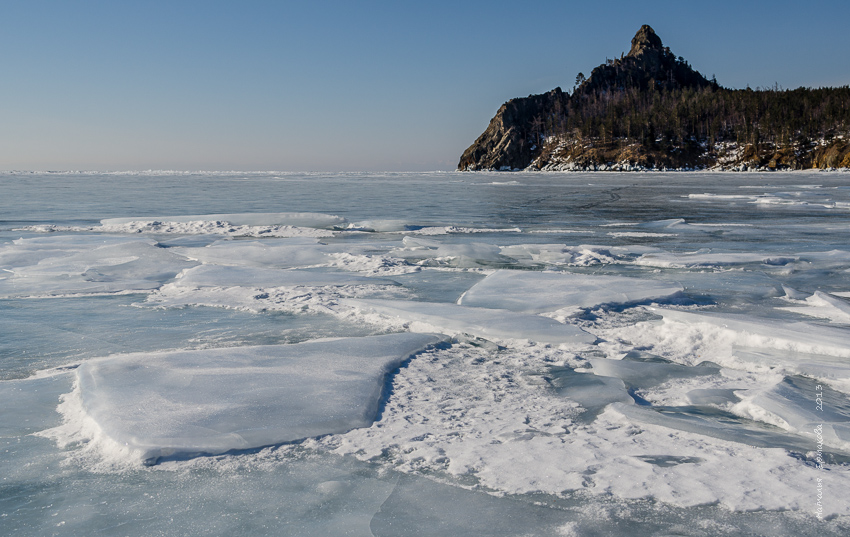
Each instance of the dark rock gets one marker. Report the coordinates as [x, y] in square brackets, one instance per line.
[650, 109]
[645, 39]
[515, 134]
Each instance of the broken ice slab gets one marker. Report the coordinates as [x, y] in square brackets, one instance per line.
[647, 374]
[256, 277]
[803, 406]
[825, 306]
[184, 403]
[538, 292]
[716, 423]
[469, 255]
[711, 259]
[581, 255]
[743, 331]
[277, 253]
[791, 362]
[29, 252]
[729, 286]
[85, 267]
[315, 220]
[712, 396]
[485, 323]
[592, 392]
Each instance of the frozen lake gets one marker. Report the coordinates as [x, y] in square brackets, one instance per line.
[425, 354]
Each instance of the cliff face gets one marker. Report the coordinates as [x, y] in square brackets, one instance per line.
[650, 109]
[514, 136]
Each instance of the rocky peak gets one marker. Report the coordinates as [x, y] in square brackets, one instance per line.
[645, 39]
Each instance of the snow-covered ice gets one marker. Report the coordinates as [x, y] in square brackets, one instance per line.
[155, 405]
[538, 292]
[481, 322]
[353, 354]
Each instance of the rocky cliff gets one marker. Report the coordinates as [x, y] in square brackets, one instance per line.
[651, 109]
[514, 136]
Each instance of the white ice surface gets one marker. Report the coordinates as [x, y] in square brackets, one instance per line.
[471, 254]
[538, 292]
[581, 255]
[481, 322]
[69, 266]
[314, 220]
[646, 374]
[706, 258]
[767, 348]
[256, 277]
[276, 253]
[793, 405]
[809, 200]
[478, 416]
[151, 405]
[825, 306]
[744, 331]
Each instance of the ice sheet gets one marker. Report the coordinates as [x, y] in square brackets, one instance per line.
[802, 406]
[28, 252]
[314, 220]
[582, 255]
[23, 402]
[182, 403]
[110, 267]
[593, 392]
[720, 425]
[276, 253]
[481, 322]
[473, 254]
[770, 334]
[823, 305]
[728, 286]
[538, 292]
[707, 259]
[646, 374]
[419, 508]
[255, 277]
[653, 447]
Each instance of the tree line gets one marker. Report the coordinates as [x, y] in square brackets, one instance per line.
[663, 114]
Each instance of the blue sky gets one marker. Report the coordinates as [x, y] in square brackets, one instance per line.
[334, 85]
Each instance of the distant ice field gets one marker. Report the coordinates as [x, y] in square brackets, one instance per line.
[388, 354]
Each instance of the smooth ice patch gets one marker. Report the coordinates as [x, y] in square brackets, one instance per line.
[153, 405]
[645, 374]
[276, 253]
[72, 266]
[255, 277]
[538, 292]
[481, 322]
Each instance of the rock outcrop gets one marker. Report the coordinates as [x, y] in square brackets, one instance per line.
[649, 109]
[514, 135]
[648, 64]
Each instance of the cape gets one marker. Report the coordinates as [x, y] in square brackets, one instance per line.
[651, 110]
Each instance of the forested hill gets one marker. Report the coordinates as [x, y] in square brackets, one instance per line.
[651, 110]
